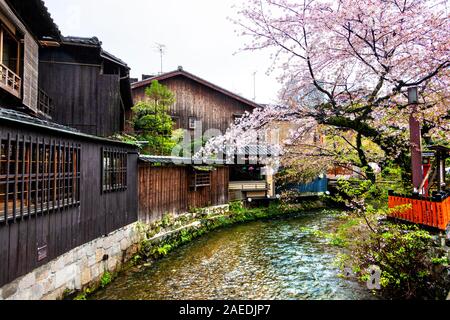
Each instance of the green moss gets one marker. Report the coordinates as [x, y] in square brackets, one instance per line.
[106, 279]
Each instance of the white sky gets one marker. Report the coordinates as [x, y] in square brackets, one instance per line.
[197, 34]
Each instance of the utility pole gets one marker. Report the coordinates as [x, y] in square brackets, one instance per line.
[161, 48]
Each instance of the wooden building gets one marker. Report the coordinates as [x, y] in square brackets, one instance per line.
[167, 185]
[197, 100]
[59, 187]
[89, 88]
[25, 26]
[201, 102]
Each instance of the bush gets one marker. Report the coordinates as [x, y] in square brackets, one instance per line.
[408, 266]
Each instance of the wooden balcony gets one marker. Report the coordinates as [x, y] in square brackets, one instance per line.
[10, 81]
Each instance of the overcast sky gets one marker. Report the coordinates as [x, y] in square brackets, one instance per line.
[197, 35]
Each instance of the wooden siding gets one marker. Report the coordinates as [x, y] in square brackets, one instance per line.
[31, 73]
[83, 98]
[61, 231]
[166, 190]
[193, 99]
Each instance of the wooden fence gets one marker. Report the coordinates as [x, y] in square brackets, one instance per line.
[434, 214]
[166, 189]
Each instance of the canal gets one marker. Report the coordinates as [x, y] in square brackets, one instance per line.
[261, 260]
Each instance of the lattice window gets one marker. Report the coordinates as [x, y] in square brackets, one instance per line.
[45, 104]
[200, 179]
[114, 170]
[37, 176]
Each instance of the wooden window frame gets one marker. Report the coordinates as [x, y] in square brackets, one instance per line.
[45, 103]
[38, 176]
[200, 179]
[114, 170]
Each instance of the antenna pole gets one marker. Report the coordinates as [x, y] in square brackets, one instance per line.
[254, 85]
[162, 50]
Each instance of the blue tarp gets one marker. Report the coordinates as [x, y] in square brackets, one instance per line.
[320, 185]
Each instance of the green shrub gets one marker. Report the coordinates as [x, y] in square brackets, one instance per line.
[403, 255]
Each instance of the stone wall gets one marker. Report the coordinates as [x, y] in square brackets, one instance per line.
[76, 269]
[84, 266]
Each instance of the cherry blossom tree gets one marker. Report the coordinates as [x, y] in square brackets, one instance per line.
[348, 64]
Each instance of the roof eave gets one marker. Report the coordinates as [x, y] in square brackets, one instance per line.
[188, 75]
[67, 132]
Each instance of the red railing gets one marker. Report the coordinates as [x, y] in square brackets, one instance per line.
[10, 81]
[425, 211]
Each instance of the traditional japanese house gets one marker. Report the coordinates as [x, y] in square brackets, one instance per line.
[201, 106]
[60, 188]
[87, 88]
[198, 102]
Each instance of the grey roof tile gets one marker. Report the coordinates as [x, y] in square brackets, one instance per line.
[21, 118]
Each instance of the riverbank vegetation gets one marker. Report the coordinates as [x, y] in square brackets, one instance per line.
[398, 261]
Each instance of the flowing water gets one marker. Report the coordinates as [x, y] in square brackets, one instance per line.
[268, 260]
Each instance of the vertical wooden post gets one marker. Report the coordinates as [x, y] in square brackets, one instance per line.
[18, 59]
[416, 141]
[1, 45]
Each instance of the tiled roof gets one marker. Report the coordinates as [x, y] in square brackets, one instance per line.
[21, 118]
[36, 16]
[13, 115]
[176, 160]
[92, 41]
[165, 160]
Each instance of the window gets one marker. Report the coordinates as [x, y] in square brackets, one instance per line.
[114, 171]
[192, 123]
[10, 53]
[237, 117]
[45, 104]
[37, 176]
[200, 179]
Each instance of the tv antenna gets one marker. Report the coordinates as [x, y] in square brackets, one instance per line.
[161, 48]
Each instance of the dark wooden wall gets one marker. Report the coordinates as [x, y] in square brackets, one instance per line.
[193, 99]
[62, 231]
[83, 97]
[166, 190]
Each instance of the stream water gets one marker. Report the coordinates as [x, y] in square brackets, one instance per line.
[270, 260]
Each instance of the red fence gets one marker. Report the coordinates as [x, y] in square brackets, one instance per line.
[421, 211]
